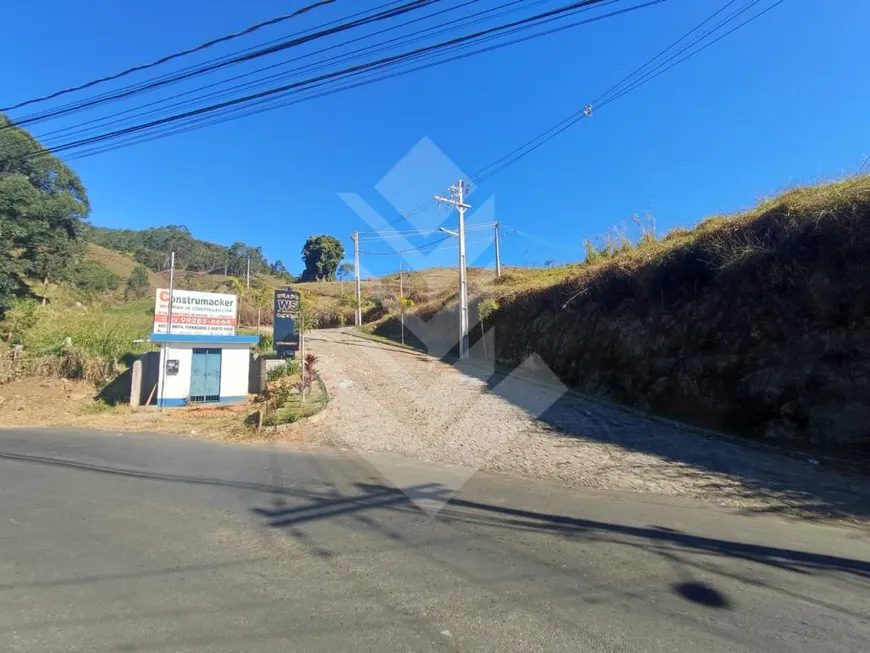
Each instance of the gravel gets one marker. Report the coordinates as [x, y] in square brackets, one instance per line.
[392, 400]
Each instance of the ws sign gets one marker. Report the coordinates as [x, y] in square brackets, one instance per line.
[285, 336]
[195, 313]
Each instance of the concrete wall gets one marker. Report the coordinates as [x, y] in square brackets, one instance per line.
[143, 378]
[235, 359]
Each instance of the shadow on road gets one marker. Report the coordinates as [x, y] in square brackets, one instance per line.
[464, 521]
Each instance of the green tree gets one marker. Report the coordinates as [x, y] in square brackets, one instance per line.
[262, 297]
[321, 255]
[137, 282]
[43, 208]
[93, 277]
[278, 268]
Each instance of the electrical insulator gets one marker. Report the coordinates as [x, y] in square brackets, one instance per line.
[587, 110]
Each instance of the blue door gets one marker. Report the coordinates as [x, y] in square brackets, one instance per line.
[205, 375]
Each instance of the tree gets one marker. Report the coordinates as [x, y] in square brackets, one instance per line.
[262, 297]
[321, 255]
[43, 208]
[137, 282]
[278, 267]
[93, 277]
[345, 270]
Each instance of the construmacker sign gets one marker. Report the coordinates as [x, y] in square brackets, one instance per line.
[195, 313]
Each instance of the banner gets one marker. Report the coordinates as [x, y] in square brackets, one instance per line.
[195, 313]
[284, 335]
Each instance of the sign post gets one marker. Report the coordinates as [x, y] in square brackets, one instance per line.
[285, 335]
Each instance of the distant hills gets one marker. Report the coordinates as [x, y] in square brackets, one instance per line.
[151, 247]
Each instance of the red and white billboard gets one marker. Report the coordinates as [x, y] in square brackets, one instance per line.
[195, 313]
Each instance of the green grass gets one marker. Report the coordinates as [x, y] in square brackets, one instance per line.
[292, 408]
[362, 333]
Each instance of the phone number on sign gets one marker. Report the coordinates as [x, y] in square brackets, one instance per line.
[203, 321]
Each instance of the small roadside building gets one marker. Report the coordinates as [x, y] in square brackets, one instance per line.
[202, 369]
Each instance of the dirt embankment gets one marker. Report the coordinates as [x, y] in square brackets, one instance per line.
[757, 324]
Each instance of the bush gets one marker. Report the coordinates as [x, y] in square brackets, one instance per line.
[20, 319]
[92, 276]
[290, 368]
[265, 346]
[7, 293]
[137, 282]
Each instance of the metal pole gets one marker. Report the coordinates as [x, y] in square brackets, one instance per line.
[463, 277]
[171, 290]
[164, 358]
[358, 313]
[458, 200]
[402, 301]
[497, 253]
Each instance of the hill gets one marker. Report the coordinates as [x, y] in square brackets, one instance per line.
[151, 248]
[756, 323]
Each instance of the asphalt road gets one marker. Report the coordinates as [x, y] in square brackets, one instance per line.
[114, 542]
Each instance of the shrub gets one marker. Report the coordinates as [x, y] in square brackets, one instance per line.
[137, 282]
[20, 319]
[94, 277]
[265, 346]
[289, 368]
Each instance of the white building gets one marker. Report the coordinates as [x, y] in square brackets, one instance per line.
[199, 369]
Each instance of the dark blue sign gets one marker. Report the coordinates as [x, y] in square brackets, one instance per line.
[284, 334]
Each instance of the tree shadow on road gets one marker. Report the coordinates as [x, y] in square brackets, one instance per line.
[694, 559]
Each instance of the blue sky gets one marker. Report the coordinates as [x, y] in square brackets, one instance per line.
[781, 102]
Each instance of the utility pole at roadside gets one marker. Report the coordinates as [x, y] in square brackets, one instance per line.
[358, 312]
[171, 291]
[458, 200]
[497, 253]
[402, 301]
[163, 351]
[248, 274]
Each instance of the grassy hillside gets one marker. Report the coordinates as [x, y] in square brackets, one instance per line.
[756, 323]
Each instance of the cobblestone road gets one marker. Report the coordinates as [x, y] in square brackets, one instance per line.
[386, 399]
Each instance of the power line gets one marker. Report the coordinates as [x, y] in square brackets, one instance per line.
[405, 251]
[81, 105]
[378, 47]
[427, 245]
[170, 57]
[546, 136]
[672, 45]
[241, 58]
[265, 80]
[355, 70]
[650, 77]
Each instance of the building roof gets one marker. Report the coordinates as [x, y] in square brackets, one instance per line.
[210, 340]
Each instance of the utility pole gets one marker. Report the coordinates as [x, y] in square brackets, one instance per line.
[163, 350]
[171, 291]
[248, 274]
[497, 253]
[402, 300]
[358, 312]
[458, 200]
